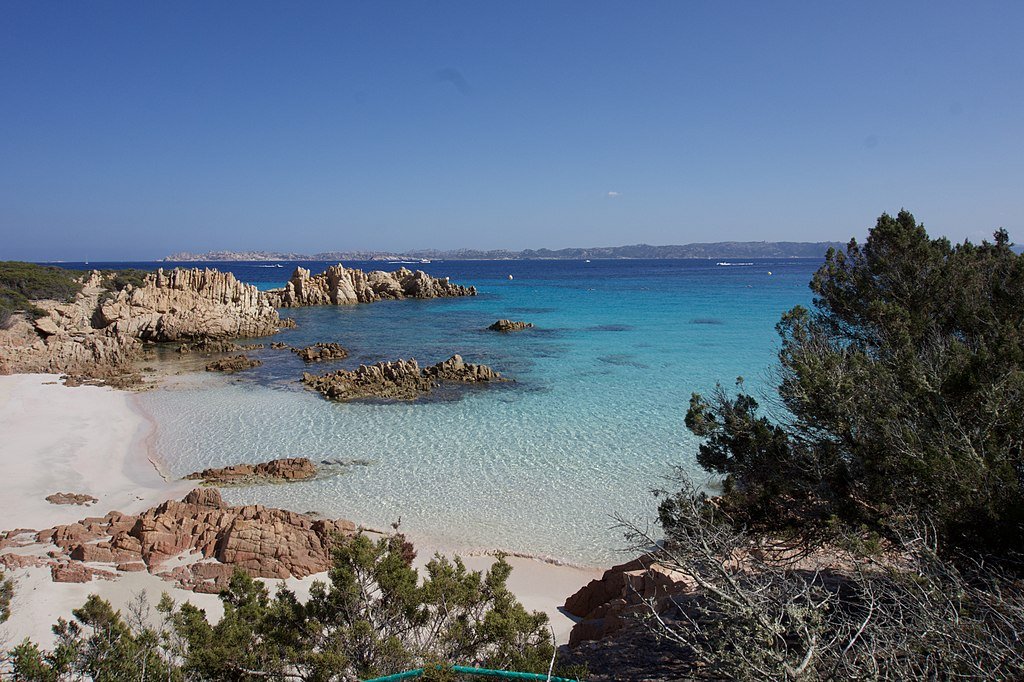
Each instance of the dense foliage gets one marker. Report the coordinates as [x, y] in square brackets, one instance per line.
[374, 617]
[21, 283]
[903, 395]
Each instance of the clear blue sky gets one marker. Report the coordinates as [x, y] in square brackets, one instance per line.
[130, 130]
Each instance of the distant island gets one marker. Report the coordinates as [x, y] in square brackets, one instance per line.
[699, 250]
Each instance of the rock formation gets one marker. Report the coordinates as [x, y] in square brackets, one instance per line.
[509, 326]
[321, 352]
[232, 364]
[339, 285]
[70, 498]
[98, 334]
[398, 380]
[190, 304]
[275, 471]
[611, 603]
[267, 543]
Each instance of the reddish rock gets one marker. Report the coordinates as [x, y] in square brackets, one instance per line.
[16, 561]
[608, 605]
[267, 543]
[90, 553]
[73, 572]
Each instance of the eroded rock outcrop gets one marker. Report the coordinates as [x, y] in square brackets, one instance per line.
[184, 304]
[339, 285]
[321, 352]
[267, 543]
[232, 364]
[509, 326]
[398, 380]
[275, 471]
[99, 333]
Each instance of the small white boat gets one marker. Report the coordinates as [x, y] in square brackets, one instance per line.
[510, 276]
[587, 261]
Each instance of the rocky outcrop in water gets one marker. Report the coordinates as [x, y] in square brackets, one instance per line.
[266, 543]
[321, 352]
[398, 380]
[232, 364]
[99, 333]
[509, 326]
[339, 285]
[276, 471]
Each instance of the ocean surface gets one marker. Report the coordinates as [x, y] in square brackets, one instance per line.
[592, 423]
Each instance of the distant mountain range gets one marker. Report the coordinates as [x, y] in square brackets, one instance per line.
[703, 250]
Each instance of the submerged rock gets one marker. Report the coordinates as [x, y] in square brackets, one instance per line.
[235, 363]
[509, 326]
[339, 285]
[321, 352]
[209, 346]
[275, 471]
[398, 380]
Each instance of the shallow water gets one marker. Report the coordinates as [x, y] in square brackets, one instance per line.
[593, 421]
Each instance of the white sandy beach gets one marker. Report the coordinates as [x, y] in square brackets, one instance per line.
[91, 440]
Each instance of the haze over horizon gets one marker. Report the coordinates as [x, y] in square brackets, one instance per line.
[130, 132]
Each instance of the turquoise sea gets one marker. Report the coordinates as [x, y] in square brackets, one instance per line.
[592, 423]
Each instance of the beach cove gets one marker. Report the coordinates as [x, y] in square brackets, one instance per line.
[592, 422]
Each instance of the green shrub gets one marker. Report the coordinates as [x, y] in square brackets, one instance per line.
[36, 282]
[903, 386]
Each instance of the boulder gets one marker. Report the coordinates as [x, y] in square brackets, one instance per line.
[607, 605]
[509, 326]
[321, 352]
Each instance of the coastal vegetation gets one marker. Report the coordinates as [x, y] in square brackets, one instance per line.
[871, 519]
[373, 617]
[899, 396]
[21, 283]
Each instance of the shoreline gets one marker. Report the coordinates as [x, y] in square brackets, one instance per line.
[100, 441]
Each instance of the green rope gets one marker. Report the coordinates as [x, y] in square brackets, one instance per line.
[484, 672]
